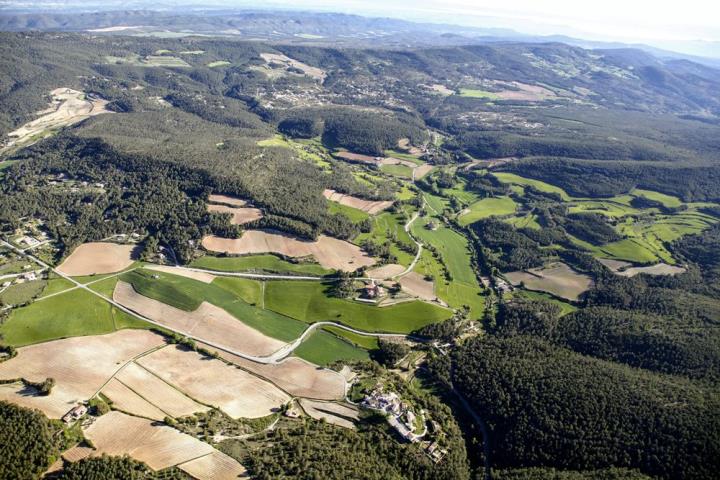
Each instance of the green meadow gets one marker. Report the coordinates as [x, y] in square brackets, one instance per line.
[265, 263]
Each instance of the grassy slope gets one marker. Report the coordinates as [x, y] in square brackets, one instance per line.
[264, 263]
[488, 207]
[385, 227]
[307, 301]
[353, 214]
[188, 294]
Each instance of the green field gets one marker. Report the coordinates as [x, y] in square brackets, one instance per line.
[474, 93]
[667, 200]
[525, 221]
[453, 247]
[402, 171]
[105, 287]
[70, 314]
[227, 293]
[513, 179]
[487, 207]
[308, 301]
[353, 214]
[56, 285]
[565, 307]
[258, 263]
[404, 156]
[323, 348]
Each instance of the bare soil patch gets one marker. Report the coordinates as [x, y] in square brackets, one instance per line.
[556, 278]
[215, 466]
[415, 284]
[329, 252]
[80, 366]
[627, 270]
[295, 376]
[67, 107]
[158, 445]
[334, 413]
[240, 216]
[211, 381]
[227, 200]
[369, 206]
[97, 258]
[386, 271]
[357, 157]
[287, 62]
[166, 398]
[422, 170]
[208, 322]
[183, 272]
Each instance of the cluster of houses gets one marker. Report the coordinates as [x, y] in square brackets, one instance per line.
[398, 413]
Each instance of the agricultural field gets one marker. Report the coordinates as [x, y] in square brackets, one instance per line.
[79, 366]
[324, 348]
[329, 252]
[21, 293]
[239, 215]
[513, 179]
[397, 170]
[258, 264]
[309, 302]
[215, 383]
[225, 293]
[557, 279]
[59, 316]
[219, 63]
[370, 207]
[390, 227]
[487, 207]
[354, 214]
[98, 258]
[475, 93]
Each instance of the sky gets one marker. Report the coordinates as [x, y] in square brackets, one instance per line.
[624, 20]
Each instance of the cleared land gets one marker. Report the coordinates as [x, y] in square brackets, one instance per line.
[211, 381]
[627, 270]
[273, 59]
[125, 400]
[183, 272]
[209, 322]
[334, 413]
[556, 278]
[227, 200]
[158, 445]
[416, 285]
[67, 107]
[369, 206]
[240, 215]
[215, 466]
[329, 252]
[386, 271]
[80, 366]
[309, 302]
[357, 157]
[294, 375]
[97, 258]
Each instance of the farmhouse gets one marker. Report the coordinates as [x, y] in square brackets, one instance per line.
[75, 414]
[373, 291]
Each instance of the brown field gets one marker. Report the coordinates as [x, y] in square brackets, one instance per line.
[404, 143]
[67, 107]
[442, 89]
[415, 284]
[386, 271]
[422, 170]
[240, 216]
[80, 366]
[77, 453]
[215, 466]
[208, 322]
[314, 72]
[227, 200]
[329, 252]
[97, 258]
[295, 376]
[523, 91]
[127, 401]
[397, 161]
[183, 272]
[357, 157]
[627, 270]
[211, 381]
[158, 393]
[158, 445]
[330, 412]
[368, 206]
[556, 278]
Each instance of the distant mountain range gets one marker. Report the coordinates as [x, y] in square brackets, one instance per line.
[283, 26]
